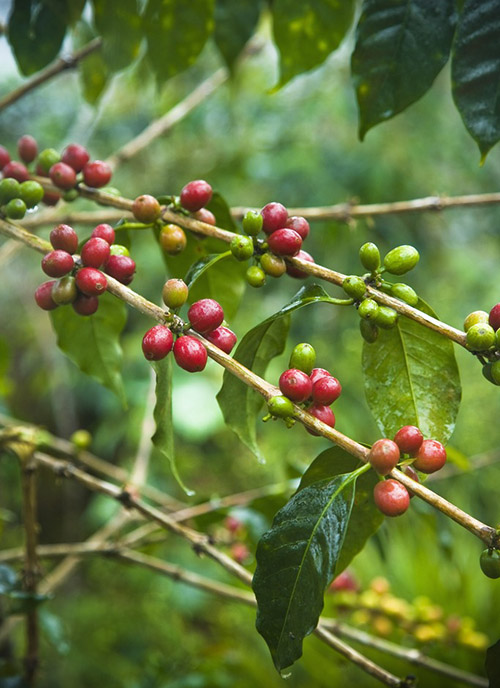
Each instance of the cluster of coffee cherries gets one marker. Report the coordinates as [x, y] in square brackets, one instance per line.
[427, 456]
[284, 240]
[314, 388]
[205, 317]
[80, 279]
[18, 192]
[483, 338]
[398, 261]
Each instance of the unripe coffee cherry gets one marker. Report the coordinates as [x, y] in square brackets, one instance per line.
[91, 282]
[318, 373]
[82, 439]
[97, 174]
[303, 357]
[57, 263]
[172, 239]
[490, 563]
[391, 498]
[295, 271]
[205, 315]
[62, 175]
[4, 157]
[369, 331]
[76, 156]
[494, 372]
[494, 317]
[401, 259]
[295, 384]
[405, 293]
[190, 354]
[85, 305]
[252, 222]
[64, 291]
[480, 337]
[272, 265]
[430, 457]
[196, 195]
[45, 160]
[354, 287]
[122, 268]
[385, 318]
[299, 224]
[31, 193]
[274, 216]
[409, 439]
[223, 338]
[384, 456]
[119, 250]
[146, 209]
[16, 170]
[368, 309]
[370, 256]
[474, 318]
[27, 148]
[106, 232]
[280, 407]
[95, 252]
[9, 188]
[15, 209]
[205, 215]
[326, 390]
[242, 247]
[157, 343]
[43, 296]
[322, 413]
[285, 242]
[255, 276]
[175, 293]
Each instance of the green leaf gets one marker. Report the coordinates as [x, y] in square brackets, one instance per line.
[240, 404]
[176, 32]
[492, 665]
[307, 32]
[296, 560]
[475, 72]
[5, 383]
[93, 70]
[411, 378]
[219, 277]
[220, 208]
[23, 602]
[401, 46]
[235, 23]
[120, 26]
[92, 342]
[163, 438]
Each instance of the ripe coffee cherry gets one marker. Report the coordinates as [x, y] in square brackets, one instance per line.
[85, 305]
[43, 296]
[16, 170]
[190, 354]
[252, 222]
[65, 238]
[385, 317]
[368, 309]
[344, 581]
[9, 188]
[122, 268]
[27, 148]
[430, 457]
[318, 373]
[295, 271]
[405, 293]
[91, 282]
[196, 195]
[274, 216]
[64, 291]
[299, 224]
[95, 252]
[474, 318]
[255, 276]
[15, 209]
[62, 175]
[493, 317]
[384, 456]
[272, 265]
[205, 215]
[31, 193]
[242, 247]
[205, 315]
[105, 232]
[295, 384]
[285, 242]
[303, 357]
[409, 439]
[51, 198]
[172, 239]
[354, 287]
[175, 293]
[401, 259]
[280, 407]
[4, 157]
[47, 158]
[490, 563]
[146, 209]
[391, 497]
[370, 256]
[157, 343]
[97, 174]
[369, 331]
[322, 413]
[223, 338]
[57, 263]
[326, 390]
[480, 337]
[76, 156]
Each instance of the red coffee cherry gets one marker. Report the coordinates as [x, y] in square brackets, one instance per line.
[384, 456]
[65, 238]
[190, 354]
[285, 242]
[57, 263]
[223, 338]
[196, 195]
[85, 305]
[326, 390]
[122, 268]
[493, 318]
[206, 216]
[430, 457]
[51, 197]
[344, 581]
[16, 170]
[4, 157]
[391, 497]
[409, 438]
[27, 148]
[274, 216]
[43, 296]
[105, 232]
[296, 272]
[205, 315]
[62, 175]
[91, 282]
[157, 343]
[76, 156]
[95, 252]
[295, 384]
[97, 174]
[318, 373]
[146, 209]
[322, 413]
[299, 224]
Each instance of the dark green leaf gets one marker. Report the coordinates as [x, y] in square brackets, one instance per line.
[94, 72]
[120, 26]
[411, 378]
[8, 579]
[176, 32]
[235, 23]
[307, 32]
[401, 46]
[475, 71]
[219, 277]
[93, 342]
[222, 212]
[492, 665]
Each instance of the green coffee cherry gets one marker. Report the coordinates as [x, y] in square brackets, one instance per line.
[369, 331]
[241, 247]
[495, 372]
[47, 158]
[401, 259]
[118, 250]
[174, 293]
[64, 291]
[497, 339]
[303, 357]
[272, 265]
[9, 189]
[70, 195]
[385, 318]
[280, 407]
[487, 373]
[354, 287]
[405, 293]
[31, 193]
[252, 222]
[370, 256]
[474, 318]
[490, 563]
[82, 439]
[480, 337]
[255, 276]
[368, 309]
[15, 209]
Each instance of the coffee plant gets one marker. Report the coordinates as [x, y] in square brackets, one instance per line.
[289, 551]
